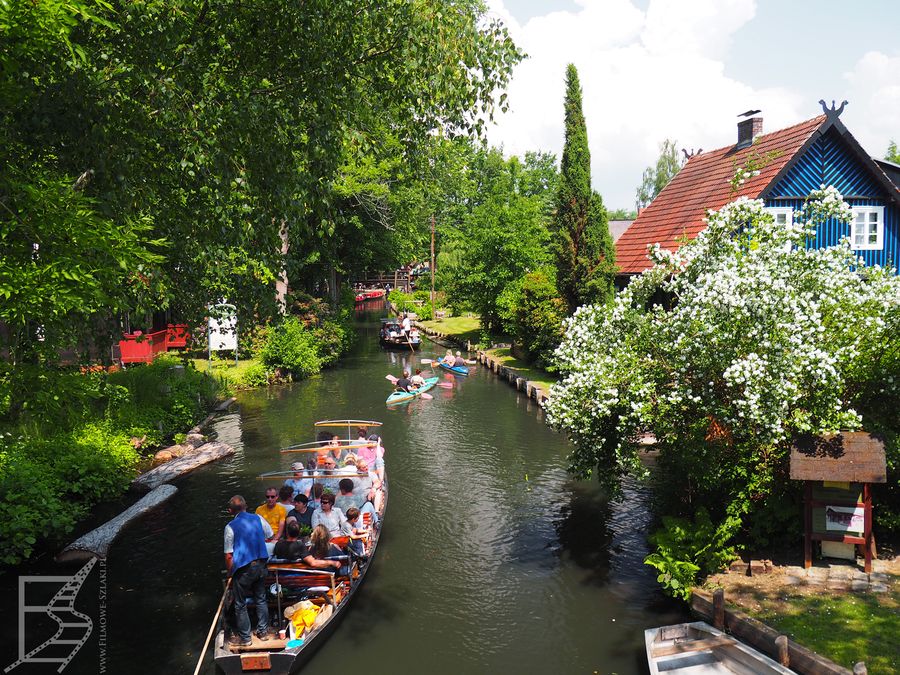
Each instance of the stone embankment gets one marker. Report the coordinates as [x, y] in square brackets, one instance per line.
[531, 389]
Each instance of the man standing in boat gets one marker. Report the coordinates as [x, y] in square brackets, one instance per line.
[245, 558]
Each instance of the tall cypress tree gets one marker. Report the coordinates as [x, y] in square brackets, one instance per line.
[585, 253]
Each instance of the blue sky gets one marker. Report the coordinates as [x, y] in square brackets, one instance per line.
[684, 69]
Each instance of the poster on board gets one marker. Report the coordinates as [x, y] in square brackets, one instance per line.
[845, 518]
[222, 327]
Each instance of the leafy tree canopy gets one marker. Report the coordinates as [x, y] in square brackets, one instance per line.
[656, 177]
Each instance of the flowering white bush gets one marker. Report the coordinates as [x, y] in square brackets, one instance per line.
[726, 350]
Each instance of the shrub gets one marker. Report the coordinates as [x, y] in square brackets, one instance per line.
[533, 312]
[685, 549]
[290, 346]
[255, 376]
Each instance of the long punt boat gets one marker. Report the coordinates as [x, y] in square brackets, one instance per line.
[322, 597]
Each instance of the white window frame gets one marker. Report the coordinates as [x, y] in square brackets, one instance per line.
[879, 228]
[776, 211]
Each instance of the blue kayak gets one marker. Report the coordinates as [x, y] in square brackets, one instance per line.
[403, 396]
[456, 370]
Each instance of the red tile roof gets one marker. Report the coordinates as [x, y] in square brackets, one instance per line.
[705, 183]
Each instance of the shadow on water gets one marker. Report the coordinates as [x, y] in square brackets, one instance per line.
[492, 559]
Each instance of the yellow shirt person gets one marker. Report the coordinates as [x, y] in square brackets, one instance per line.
[273, 513]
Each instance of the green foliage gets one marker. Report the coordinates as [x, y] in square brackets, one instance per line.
[72, 447]
[502, 237]
[255, 376]
[656, 177]
[533, 314]
[582, 244]
[685, 549]
[893, 153]
[621, 214]
[292, 347]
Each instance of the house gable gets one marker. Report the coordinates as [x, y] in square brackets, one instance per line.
[827, 161]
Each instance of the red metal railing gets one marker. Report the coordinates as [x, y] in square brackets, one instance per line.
[141, 347]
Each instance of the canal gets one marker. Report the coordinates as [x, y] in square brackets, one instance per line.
[492, 559]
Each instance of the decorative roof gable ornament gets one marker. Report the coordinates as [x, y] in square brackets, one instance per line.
[833, 113]
[688, 155]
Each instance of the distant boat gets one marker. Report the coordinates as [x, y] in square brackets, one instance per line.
[391, 336]
[369, 294]
[699, 648]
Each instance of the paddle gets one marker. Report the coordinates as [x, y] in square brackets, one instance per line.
[213, 626]
[429, 361]
[426, 396]
[391, 379]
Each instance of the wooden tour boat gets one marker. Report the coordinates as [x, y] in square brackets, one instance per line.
[391, 336]
[699, 648]
[316, 598]
[369, 294]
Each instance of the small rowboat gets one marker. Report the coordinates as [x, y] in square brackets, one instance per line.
[403, 396]
[369, 294]
[324, 595]
[456, 370]
[699, 648]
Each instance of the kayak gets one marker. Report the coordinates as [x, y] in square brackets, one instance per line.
[403, 396]
[456, 370]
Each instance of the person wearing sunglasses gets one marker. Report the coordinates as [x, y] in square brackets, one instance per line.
[273, 513]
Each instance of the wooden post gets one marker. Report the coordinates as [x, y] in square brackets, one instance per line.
[860, 669]
[867, 528]
[719, 608]
[781, 644]
[807, 524]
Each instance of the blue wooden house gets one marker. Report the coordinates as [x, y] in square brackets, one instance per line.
[791, 163]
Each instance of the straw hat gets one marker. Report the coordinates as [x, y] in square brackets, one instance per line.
[297, 466]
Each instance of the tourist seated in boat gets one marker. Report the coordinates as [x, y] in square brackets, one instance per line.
[323, 549]
[459, 361]
[358, 531]
[373, 459]
[286, 499]
[299, 483]
[335, 445]
[245, 560]
[292, 548]
[368, 486]
[315, 495]
[361, 434]
[449, 359]
[273, 513]
[301, 513]
[417, 379]
[348, 465]
[325, 475]
[329, 516]
[404, 383]
[413, 334]
[346, 498]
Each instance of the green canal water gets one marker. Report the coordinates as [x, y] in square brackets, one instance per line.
[492, 560]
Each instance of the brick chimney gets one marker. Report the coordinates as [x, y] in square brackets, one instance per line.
[748, 130]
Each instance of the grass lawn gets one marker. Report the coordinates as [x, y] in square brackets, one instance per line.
[461, 328]
[842, 626]
[225, 369]
[530, 373]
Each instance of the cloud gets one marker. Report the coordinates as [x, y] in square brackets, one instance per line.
[645, 75]
[874, 95]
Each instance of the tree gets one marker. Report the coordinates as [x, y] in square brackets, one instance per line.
[502, 237]
[223, 126]
[583, 246]
[765, 342]
[893, 153]
[657, 177]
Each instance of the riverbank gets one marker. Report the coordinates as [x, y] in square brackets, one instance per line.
[834, 608]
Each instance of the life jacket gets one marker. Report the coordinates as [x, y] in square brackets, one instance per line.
[249, 540]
